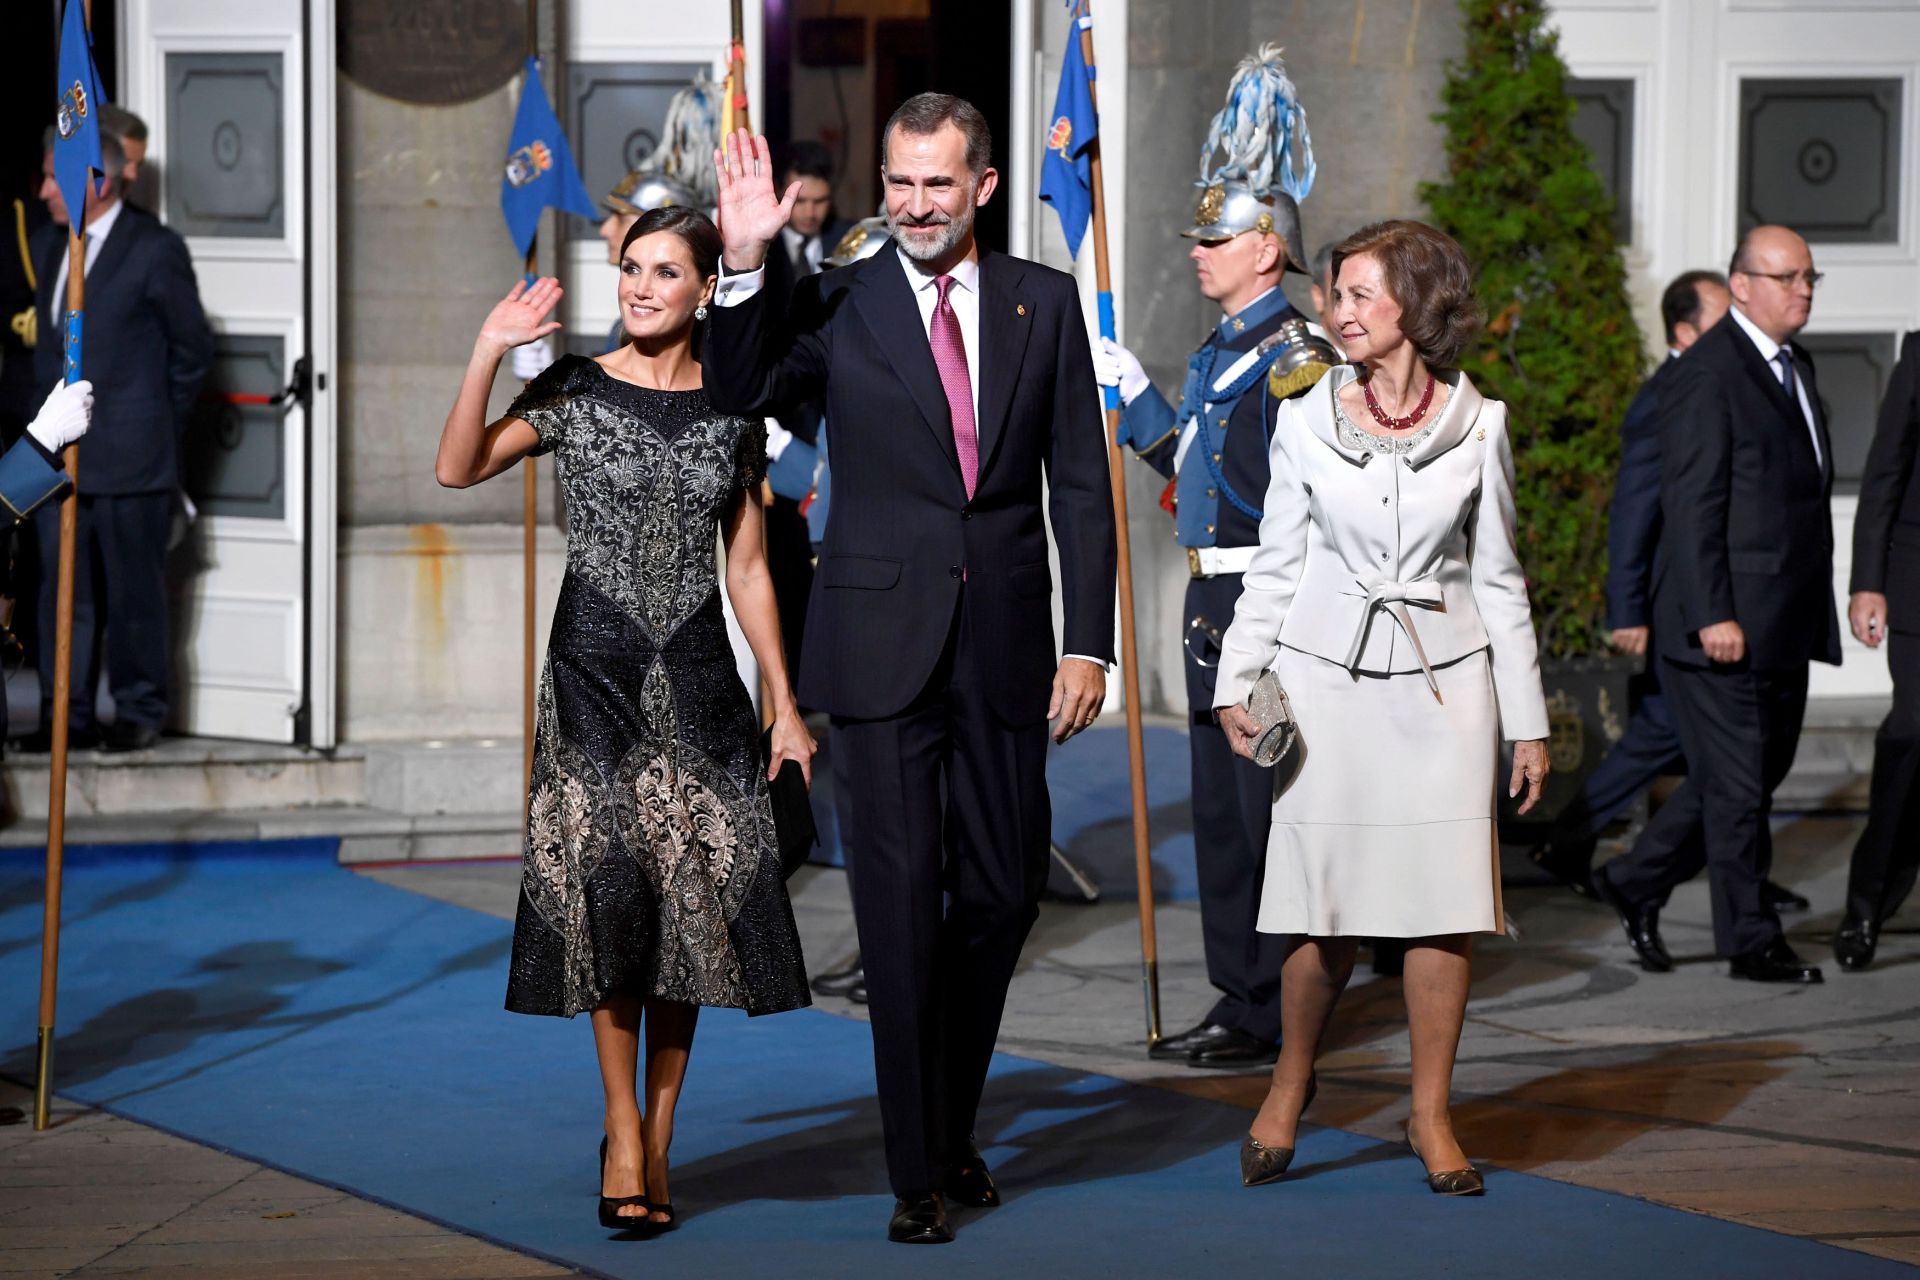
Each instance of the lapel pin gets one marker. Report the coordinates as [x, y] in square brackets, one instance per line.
[1020, 309]
[1481, 434]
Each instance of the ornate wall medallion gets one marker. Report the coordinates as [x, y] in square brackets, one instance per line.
[435, 52]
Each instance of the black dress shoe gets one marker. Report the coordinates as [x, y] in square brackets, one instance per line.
[837, 982]
[1775, 962]
[122, 736]
[1642, 924]
[1855, 943]
[972, 1182]
[1568, 861]
[40, 741]
[1781, 898]
[1183, 1046]
[1236, 1049]
[919, 1219]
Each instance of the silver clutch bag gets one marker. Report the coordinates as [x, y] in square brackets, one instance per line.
[1267, 703]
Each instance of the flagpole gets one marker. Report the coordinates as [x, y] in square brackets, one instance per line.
[1129, 648]
[529, 509]
[62, 667]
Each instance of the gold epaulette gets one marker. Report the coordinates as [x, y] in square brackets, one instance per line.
[1291, 382]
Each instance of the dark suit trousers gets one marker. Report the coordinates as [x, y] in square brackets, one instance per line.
[1739, 728]
[1888, 855]
[119, 593]
[948, 802]
[1232, 815]
[1649, 749]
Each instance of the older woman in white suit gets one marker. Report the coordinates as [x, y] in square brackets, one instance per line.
[1388, 598]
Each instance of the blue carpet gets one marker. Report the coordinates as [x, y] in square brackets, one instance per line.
[261, 1000]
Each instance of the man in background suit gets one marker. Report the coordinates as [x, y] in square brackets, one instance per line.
[1693, 303]
[1742, 592]
[149, 350]
[1885, 603]
[959, 385]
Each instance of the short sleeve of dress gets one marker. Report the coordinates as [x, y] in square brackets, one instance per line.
[542, 405]
[750, 454]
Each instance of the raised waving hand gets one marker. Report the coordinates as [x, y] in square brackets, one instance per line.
[751, 213]
[521, 316]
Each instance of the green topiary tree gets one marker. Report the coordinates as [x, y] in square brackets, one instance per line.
[1561, 347]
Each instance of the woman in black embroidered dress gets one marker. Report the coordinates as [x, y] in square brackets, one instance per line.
[652, 882]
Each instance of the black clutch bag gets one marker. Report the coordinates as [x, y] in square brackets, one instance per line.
[793, 828]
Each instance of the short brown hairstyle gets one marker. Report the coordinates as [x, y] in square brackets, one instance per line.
[924, 113]
[1428, 275]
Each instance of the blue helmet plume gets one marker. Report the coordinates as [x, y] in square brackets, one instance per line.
[1262, 130]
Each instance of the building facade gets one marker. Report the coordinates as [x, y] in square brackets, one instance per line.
[341, 202]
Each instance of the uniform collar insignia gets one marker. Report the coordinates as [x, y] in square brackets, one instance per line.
[1253, 315]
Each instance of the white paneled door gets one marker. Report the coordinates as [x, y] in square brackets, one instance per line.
[238, 99]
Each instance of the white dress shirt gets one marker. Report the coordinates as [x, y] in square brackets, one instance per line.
[96, 237]
[1769, 349]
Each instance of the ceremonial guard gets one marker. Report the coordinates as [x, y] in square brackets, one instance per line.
[1213, 449]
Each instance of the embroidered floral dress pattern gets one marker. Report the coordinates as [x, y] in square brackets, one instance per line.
[650, 865]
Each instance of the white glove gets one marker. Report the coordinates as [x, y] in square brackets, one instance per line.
[65, 416]
[1115, 366]
[530, 359]
[778, 438]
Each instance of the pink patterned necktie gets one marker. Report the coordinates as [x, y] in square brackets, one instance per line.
[950, 357]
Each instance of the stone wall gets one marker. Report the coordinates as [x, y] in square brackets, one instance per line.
[1369, 73]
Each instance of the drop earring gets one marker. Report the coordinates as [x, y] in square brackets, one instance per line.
[700, 312]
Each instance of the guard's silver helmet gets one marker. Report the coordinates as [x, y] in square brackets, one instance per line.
[864, 239]
[647, 189]
[1229, 209]
[1265, 160]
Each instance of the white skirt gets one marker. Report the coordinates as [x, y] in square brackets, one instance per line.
[1383, 821]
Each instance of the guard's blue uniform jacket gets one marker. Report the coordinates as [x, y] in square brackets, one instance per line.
[1220, 478]
[29, 475]
[1222, 475]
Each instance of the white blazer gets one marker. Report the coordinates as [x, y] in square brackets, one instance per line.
[1390, 563]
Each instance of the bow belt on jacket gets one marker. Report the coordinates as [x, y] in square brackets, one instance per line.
[1393, 598]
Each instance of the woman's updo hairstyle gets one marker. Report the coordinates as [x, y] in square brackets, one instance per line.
[693, 227]
[1428, 275]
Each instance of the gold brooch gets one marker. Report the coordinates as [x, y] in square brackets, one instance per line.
[1481, 434]
[1020, 309]
[1239, 325]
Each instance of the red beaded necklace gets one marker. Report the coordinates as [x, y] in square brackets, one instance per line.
[1397, 424]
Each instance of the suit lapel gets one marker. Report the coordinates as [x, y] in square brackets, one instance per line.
[1786, 408]
[887, 307]
[1803, 369]
[113, 252]
[1005, 325]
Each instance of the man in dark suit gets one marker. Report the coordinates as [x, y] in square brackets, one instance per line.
[1693, 303]
[1742, 592]
[1885, 603]
[148, 350]
[958, 383]
[806, 242]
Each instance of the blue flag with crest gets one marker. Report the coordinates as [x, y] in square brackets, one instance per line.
[540, 169]
[1066, 170]
[76, 140]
